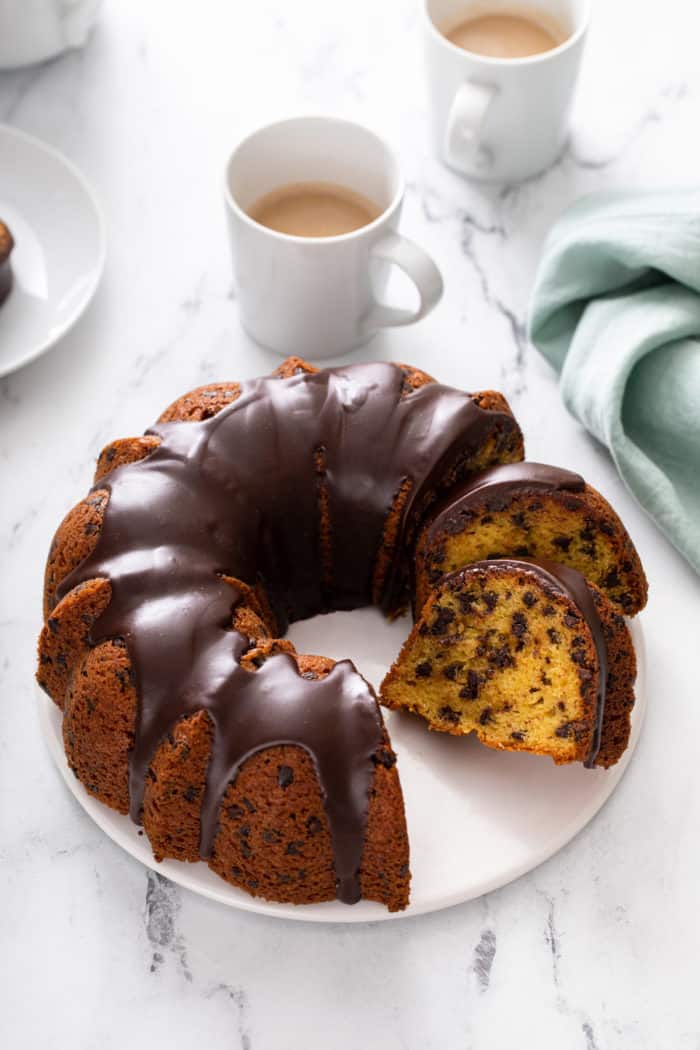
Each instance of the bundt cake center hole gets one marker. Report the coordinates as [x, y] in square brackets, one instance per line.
[364, 636]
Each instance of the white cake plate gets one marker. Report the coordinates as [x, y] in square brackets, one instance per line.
[58, 258]
[477, 819]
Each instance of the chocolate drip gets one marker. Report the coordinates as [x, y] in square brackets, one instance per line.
[236, 497]
[574, 586]
[497, 485]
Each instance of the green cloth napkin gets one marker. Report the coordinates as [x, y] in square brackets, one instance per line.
[616, 310]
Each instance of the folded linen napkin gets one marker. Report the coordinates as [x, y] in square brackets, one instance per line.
[616, 310]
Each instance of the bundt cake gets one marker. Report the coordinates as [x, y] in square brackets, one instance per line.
[6, 246]
[247, 506]
[526, 654]
[531, 510]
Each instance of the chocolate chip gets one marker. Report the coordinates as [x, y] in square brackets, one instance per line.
[549, 610]
[253, 883]
[518, 519]
[294, 848]
[424, 669]
[385, 758]
[442, 621]
[529, 599]
[553, 636]
[501, 657]
[571, 620]
[313, 825]
[471, 690]
[518, 625]
[485, 715]
[491, 600]
[122, 677]
[403, 870]
[235, 812]
[270, 836]
[562, 542]
[612, 579]
[518, 734]
[285, 776]
[190, 793]
[452, 670]
[246, 850]
[448, 715]
[244, 831]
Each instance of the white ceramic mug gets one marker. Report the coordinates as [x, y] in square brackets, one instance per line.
[319, 297]
[501, 119]
[34, 30]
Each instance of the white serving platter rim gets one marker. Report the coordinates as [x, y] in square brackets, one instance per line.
[486, 851]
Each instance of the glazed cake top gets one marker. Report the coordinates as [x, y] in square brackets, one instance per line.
[239, 495]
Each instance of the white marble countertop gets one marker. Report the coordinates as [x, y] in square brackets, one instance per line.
[598, 948]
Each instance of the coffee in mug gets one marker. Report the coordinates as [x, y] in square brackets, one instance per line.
[314, 209]
[518, 33]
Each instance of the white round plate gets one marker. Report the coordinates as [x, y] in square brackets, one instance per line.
[59, 250]
[477, 819]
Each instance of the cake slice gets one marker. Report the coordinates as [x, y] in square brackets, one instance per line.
[527, 655]
[6, 246]
[531, 510]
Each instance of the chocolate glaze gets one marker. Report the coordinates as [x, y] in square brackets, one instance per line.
[238, 497]
[6, 246]
[496, 486]
[574, 586]
[5, 281]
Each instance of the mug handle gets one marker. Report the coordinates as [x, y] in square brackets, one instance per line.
[421, 269]
[78, 17]
[465, 124]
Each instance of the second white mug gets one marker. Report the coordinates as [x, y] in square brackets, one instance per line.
[320, 296]
[501, 119]
[35, 30]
